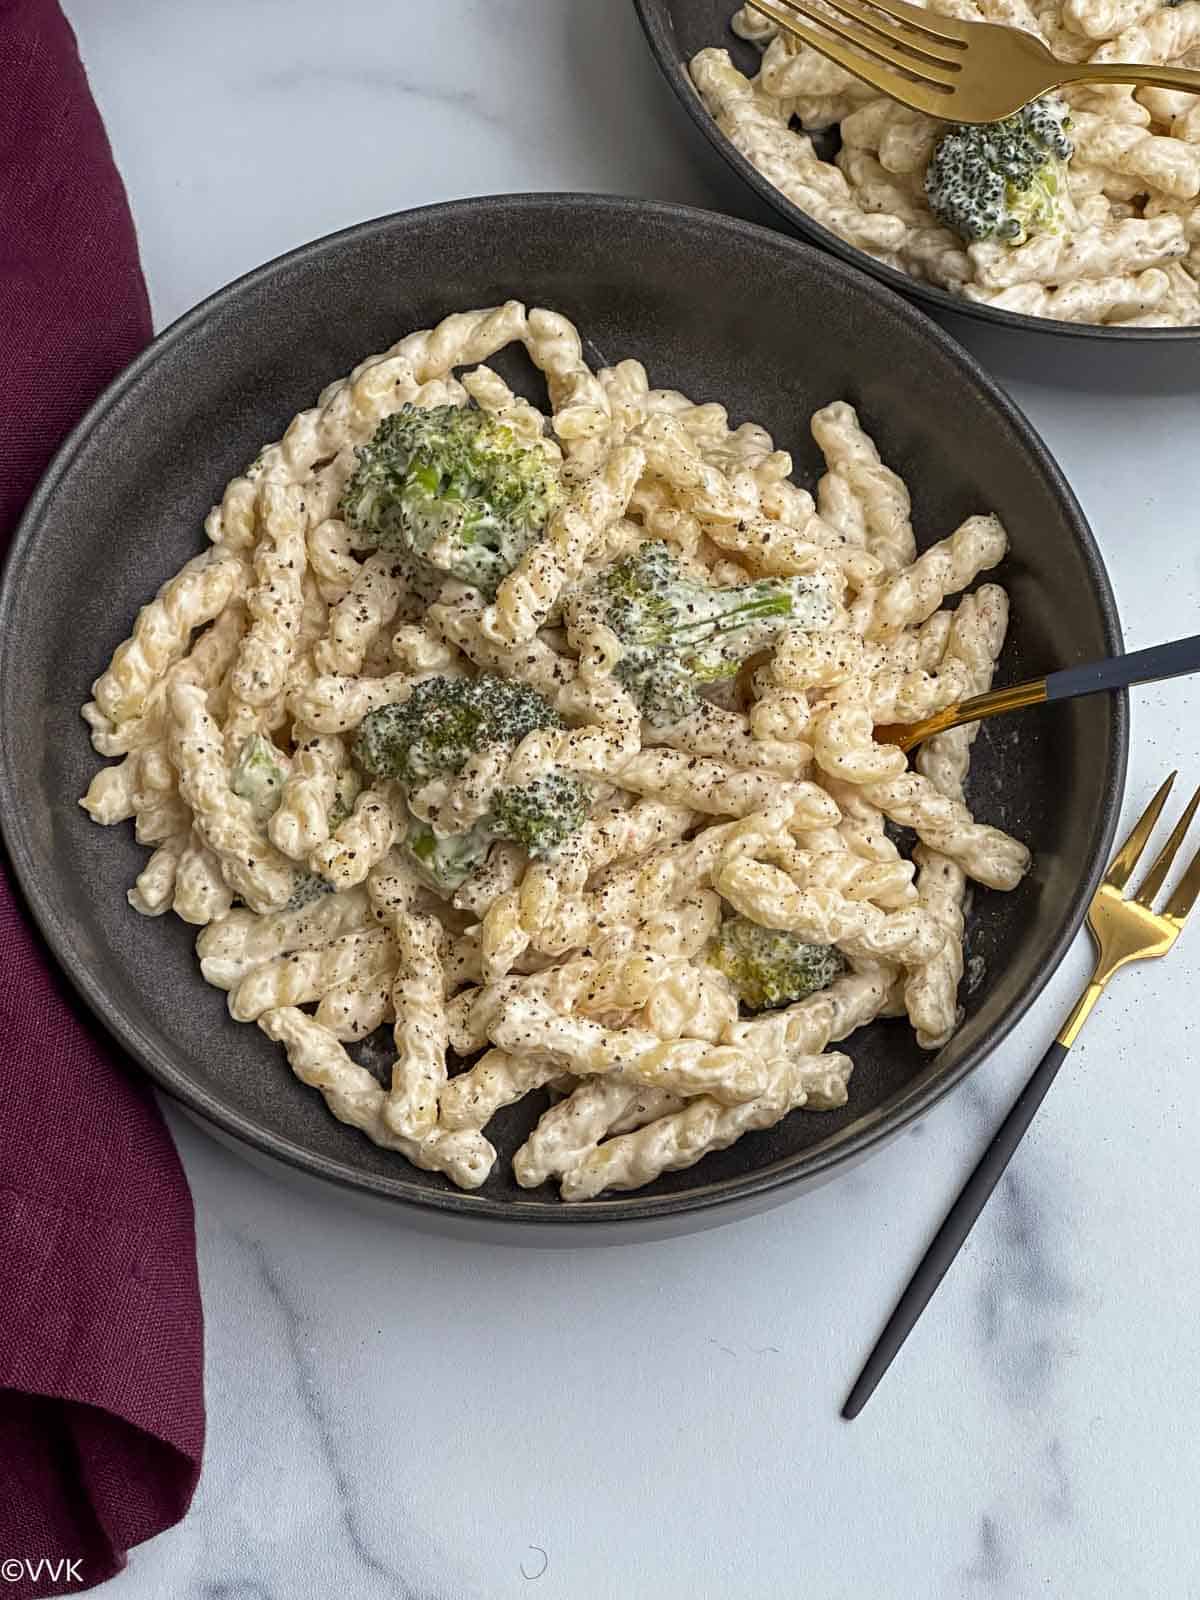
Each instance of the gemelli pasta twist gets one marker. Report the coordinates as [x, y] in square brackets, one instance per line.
[931, 988]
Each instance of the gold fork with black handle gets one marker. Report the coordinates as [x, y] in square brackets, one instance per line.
[1160, 661]
[1124, 930]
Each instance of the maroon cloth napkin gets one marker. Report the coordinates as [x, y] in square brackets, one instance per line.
[101, 1336]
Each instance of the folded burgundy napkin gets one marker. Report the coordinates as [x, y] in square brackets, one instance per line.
[101, 1398]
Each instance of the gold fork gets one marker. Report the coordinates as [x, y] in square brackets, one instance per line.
[907, 735]
[1124, 931]
[959, 71]
[1160, 661]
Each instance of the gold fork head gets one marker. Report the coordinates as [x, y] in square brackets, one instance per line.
[958, 71]
[1130, 929]
[920, 58]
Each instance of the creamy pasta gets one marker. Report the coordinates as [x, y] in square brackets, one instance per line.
[677, 656]
[1122, 246]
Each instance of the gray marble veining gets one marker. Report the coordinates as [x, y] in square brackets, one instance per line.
[360, 80]
[334, 1450]
[391, 1415]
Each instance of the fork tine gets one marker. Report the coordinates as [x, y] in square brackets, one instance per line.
[1156, 877]
[1127, 857]
[948, 30]
[922, 97]
[865, 44]
[923, 47]
[1186, 891]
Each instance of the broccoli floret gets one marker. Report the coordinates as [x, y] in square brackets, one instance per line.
[435, 732]
[259, 774]
[1004, 180]
[444, 722]
[445, 863]
[541, 814]
[771, 968]
[309, 886]
[454, 487]
[680, 635]
[346, 792]
[538, 816]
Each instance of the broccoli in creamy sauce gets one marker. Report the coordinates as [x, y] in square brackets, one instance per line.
[455, 488]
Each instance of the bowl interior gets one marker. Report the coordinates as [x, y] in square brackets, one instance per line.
[716, 308]
[677, 29]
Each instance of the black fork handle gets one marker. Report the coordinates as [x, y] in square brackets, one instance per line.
[1172, 660]
[952, 1234]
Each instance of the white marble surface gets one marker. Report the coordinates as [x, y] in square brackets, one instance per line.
[395, 1417]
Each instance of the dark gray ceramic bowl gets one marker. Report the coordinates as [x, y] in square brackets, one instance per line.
[677, 29]
[122, 505]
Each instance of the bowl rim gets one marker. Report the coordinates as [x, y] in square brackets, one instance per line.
[654, 16]
[635, 1208]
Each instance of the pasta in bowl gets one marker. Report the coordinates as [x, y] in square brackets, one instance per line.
[375, 794]
[493, 726]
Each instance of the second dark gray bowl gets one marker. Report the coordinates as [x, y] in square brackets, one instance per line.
[724, 311]
[1149, 359]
